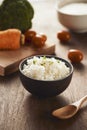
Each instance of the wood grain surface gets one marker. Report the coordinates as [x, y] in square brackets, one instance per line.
[19, 110]
[9, 60]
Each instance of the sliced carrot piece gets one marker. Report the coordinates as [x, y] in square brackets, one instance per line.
[10, 39]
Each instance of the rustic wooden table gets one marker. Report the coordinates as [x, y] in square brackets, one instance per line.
[19, 110]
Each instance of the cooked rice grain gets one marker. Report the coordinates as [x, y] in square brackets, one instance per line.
[44, 68]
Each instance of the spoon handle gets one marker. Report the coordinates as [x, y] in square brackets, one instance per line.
[81, 101]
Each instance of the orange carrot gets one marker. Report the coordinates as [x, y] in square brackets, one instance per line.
[10, 39]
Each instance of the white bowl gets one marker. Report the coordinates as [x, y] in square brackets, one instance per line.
[75, 21]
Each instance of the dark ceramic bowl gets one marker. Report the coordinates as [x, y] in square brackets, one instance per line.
[46, 88]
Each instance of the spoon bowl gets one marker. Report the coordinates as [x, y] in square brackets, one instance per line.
[69, 110]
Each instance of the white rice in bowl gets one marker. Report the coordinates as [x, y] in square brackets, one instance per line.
[44, 68]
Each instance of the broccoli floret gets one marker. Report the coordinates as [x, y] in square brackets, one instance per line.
[16, 14]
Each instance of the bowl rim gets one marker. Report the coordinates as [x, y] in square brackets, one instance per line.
[67, 3]
[50, 56]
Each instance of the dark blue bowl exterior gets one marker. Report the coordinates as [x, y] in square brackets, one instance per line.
[45, 88]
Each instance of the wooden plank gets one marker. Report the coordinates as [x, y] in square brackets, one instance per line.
[9, 60]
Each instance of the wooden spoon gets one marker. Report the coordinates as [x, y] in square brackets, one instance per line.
[69, 110]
